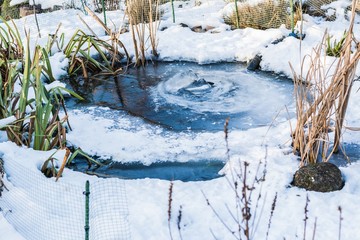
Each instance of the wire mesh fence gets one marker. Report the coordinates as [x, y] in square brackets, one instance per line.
[258, 14]
[41, 209]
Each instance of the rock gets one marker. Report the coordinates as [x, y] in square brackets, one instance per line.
[279, 40]
[319, 177]
[208, 28]
[254, 63]
[28, 10]
[198, 29]
[184, 25]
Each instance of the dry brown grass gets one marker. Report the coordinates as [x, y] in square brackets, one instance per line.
[142, 11]
[144, 20]
[326, 112]
[264, 15]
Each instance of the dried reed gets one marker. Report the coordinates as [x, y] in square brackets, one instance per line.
[144, 19]
[316, 118]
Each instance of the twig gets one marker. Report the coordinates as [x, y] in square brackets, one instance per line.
[169, 207]
[179, 218]
[218, 216]
[88, 27]
[271, 215]
[314, 231]
[36, 20]
[306, 215]
[340, 220]
[63, 164]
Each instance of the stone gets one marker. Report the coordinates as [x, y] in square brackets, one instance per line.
[254, 63]
[28, 10]
[184, 25]
[198, 29]
[208, 28]
[319, 177]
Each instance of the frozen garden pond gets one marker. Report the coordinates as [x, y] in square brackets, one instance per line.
[185, 98]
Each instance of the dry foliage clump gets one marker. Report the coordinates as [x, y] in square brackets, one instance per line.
[142, 11]
[264, 15]
[325, 113]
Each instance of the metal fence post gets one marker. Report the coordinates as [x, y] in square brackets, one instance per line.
[104, 11]
[87, 193]
[173, 10]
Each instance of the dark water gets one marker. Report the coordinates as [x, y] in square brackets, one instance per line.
[187, 96]
[350, 153]
[190, 171]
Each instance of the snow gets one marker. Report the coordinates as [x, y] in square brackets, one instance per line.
[124, 138]
[7, 230]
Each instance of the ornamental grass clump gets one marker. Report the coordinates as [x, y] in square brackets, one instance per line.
[263, 15]
[325, 111]
[78, 50]
[37, 121]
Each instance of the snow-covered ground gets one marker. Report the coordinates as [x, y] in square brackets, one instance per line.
[126, 138]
